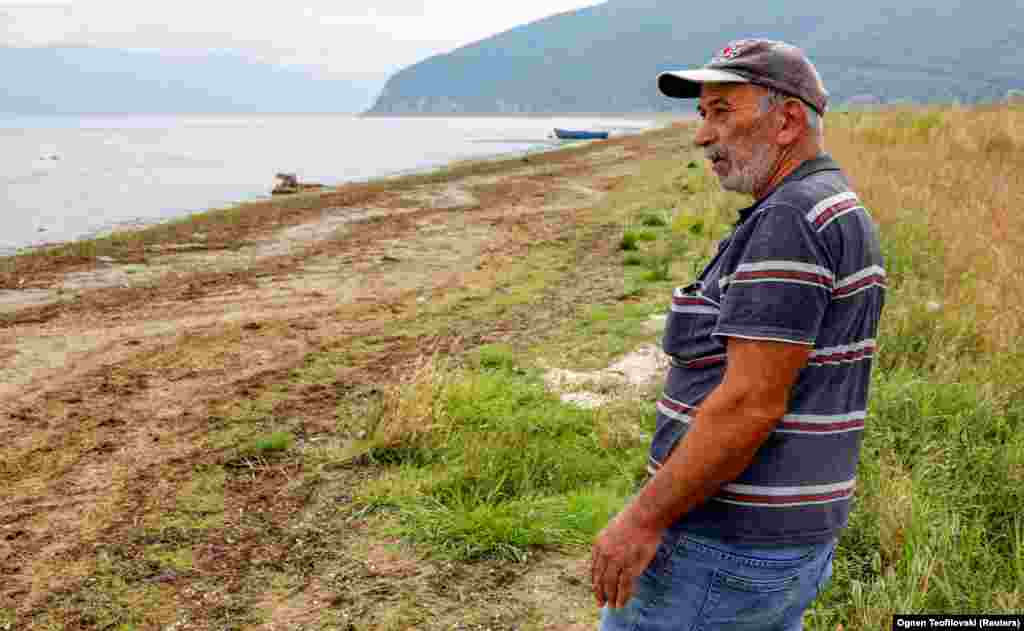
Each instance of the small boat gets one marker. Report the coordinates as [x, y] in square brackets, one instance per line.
[570, 134]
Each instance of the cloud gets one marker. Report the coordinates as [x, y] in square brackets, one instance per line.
[336, 38]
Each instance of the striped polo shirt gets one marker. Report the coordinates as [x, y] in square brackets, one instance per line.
[803, 265]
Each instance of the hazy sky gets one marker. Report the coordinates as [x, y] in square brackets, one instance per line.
[346, 37]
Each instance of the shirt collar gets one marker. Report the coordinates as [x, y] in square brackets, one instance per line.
[821, 162]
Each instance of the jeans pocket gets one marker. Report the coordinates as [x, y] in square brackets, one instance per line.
[745, 603]
[659, 565]
[826, 571]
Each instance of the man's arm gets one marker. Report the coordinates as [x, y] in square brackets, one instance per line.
[729, 427]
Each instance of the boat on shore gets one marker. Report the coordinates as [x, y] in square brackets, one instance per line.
[572, 134]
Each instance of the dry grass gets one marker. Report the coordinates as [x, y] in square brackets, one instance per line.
[963, 170]
[933, 530]
[410, 407]
[894, 507]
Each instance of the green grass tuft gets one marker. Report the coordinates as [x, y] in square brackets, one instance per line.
[504, 465]
[495, 356]
[655, 275]
[273, 443]
[652, 220]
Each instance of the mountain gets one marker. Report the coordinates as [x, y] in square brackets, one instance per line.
[80, 80]
[605, 58]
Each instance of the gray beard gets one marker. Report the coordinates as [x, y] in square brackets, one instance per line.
[754, 174]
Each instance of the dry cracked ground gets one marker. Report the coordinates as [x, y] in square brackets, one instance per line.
[126, 383]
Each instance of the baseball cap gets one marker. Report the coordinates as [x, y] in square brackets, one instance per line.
[763, 62]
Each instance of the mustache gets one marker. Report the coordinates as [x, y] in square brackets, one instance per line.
[714, 153]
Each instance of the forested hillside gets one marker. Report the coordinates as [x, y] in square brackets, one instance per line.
[605, 58]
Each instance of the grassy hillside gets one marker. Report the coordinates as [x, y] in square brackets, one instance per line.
[605, 58]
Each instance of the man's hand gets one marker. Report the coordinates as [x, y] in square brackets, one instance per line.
[621, 552]
[731, 424]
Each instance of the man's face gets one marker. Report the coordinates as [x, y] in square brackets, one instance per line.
[736, 137]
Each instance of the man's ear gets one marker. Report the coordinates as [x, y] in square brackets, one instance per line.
[795, 123]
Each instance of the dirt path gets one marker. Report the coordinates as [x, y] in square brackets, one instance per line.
[114, 377]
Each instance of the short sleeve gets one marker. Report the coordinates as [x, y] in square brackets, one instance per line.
[780, 284]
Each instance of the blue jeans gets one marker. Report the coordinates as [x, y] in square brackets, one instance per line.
[700, 584]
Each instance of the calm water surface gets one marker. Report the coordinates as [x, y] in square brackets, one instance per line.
[64, 178]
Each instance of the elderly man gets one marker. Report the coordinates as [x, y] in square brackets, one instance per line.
[754, 458]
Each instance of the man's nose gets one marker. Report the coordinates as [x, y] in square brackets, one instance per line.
[705, 135]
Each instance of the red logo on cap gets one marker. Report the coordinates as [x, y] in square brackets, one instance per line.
[733, 50]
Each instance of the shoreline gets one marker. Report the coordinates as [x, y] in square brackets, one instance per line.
[141, 224]
[245, 233]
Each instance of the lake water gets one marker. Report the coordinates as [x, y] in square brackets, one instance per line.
[64, 178]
